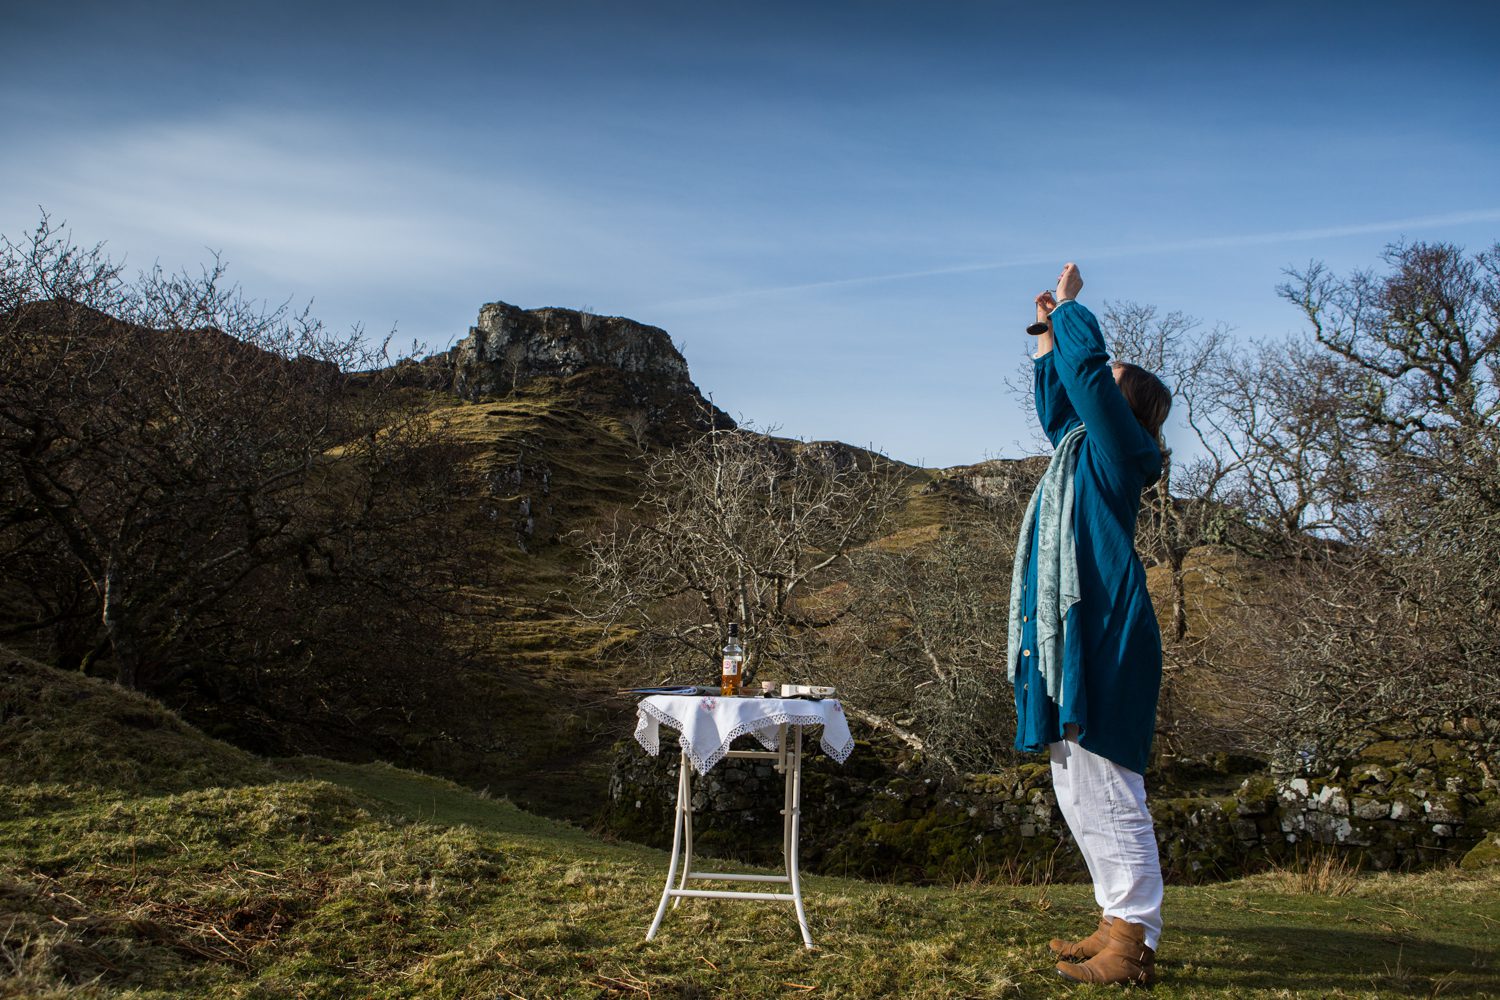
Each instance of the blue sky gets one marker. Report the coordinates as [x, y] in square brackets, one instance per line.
[840, 210]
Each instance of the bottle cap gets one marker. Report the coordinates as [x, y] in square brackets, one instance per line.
[734, 629]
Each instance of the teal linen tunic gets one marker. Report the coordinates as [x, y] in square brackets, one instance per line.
[1112, 651]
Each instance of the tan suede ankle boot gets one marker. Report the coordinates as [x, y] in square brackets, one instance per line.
[1077, 951]
[1125, 959]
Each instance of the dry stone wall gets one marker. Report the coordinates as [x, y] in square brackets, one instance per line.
[879, 817]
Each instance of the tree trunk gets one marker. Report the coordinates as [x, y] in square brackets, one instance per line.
[122, 646]
[1179, 595]
[127, 663]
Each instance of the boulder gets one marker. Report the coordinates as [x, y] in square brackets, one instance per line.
[1485, 854]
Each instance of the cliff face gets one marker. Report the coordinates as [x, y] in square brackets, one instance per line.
[609, 361]
[509, 346]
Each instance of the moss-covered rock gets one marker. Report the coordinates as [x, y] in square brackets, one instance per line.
[1485, 854]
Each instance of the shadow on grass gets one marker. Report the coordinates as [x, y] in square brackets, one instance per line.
[1291, 955]
[434, 800]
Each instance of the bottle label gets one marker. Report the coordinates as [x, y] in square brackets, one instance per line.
[731, 667]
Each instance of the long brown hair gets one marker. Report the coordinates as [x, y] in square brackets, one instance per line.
[1148, 398]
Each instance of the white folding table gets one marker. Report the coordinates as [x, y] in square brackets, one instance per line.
[707, 726]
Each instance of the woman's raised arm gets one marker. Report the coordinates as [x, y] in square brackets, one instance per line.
[1052, 407]
[1084, 371]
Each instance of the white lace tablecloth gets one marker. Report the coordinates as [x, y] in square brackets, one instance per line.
[708, 725]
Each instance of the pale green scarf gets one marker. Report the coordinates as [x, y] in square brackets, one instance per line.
[1051, 511]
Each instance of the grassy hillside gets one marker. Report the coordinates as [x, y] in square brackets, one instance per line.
[541, 688]
[534, 712]
[139, 858]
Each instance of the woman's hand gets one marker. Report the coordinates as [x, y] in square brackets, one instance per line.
[1069, 283]
[1042, 328]
[1045, 303]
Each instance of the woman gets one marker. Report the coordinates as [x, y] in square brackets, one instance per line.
[1085, 650]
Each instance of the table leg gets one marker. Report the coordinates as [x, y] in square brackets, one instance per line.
[687, 829]
[677, 826]
[796, 828]
[786, 806]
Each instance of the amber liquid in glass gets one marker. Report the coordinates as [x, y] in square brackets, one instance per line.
[732, 674]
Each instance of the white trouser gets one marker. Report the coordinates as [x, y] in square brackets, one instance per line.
[1105, 806]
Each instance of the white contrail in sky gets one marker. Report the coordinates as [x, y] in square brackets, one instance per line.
[1132, 250]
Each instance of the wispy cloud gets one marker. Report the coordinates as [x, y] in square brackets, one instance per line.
[324, 203]
[1106, 252]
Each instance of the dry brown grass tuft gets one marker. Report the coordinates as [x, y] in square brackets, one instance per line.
[1318, 872]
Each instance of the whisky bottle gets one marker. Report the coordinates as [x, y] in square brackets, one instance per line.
[734, 659]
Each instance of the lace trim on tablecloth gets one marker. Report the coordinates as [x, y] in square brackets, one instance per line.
[757, 727]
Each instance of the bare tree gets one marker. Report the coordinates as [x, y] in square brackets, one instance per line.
[1366, 466]
[637, 423]
[1185, 356]
[176, 457]
[1417, 500]
[736, 526]
[512, 362]
[925, 654]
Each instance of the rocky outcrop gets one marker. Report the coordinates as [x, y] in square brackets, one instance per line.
[1001, 479]
[1001, 486]
[509, 346]
[632, 369]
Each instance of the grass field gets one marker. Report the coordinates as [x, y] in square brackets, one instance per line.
[138, 858]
